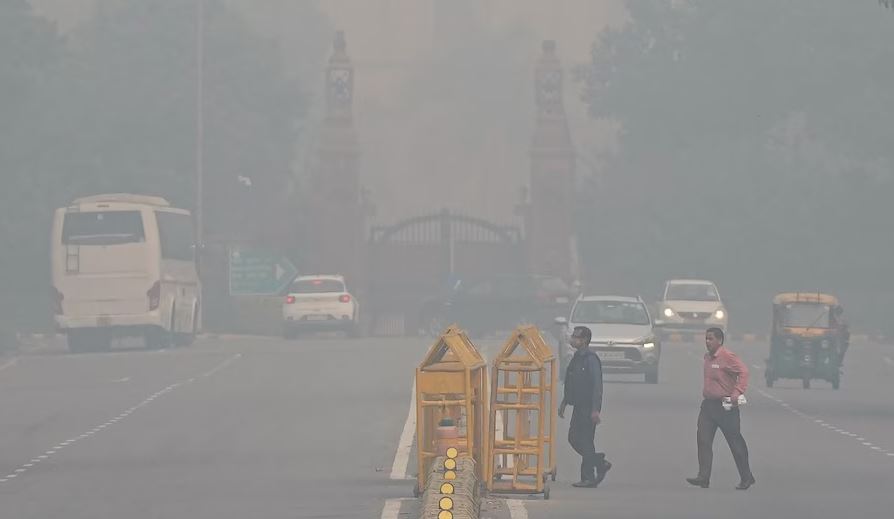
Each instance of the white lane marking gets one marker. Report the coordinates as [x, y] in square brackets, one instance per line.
[402, 456]
[221, 366]
[9, 364]
[517, 509]
[125, 379]
[826, 425]
[147, 401]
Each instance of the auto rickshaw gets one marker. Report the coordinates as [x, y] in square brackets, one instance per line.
[808, 339]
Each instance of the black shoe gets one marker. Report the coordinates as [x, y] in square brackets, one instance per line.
[600, 474]
[746, 484]
[586, 483]
[697, 482]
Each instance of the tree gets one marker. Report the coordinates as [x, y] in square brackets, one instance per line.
[754, 149]
[134, 78]
[114, 111]
[30, 48]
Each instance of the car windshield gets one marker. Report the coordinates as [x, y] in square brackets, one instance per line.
[691, 292]
[103, 228]
[317, 286]
[802, 315]
[610, 312]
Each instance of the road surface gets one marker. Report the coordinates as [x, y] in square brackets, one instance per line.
[315, 428]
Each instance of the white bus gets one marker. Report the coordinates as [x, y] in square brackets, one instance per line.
[124, 265]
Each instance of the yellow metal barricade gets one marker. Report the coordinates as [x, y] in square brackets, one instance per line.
[451, 403]
[522, 416]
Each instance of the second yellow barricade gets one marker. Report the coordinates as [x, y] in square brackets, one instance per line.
[521, 452]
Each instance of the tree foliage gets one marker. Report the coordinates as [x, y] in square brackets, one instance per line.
[755, 149]
[113, 109]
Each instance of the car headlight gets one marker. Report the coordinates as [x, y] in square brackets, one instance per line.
[668, 312]
[649, 345]
[719, 314]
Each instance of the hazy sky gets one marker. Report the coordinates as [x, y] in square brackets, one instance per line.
[409, 143]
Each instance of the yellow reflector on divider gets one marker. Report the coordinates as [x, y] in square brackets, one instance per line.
[447, 488]
[445, 503]
[450, 475]
[450, 464]
[452, 452]
[445, 514]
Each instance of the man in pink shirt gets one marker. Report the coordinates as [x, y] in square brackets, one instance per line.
[726, 379]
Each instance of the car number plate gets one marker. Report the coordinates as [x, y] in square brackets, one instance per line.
[316, 317]
[611, 355]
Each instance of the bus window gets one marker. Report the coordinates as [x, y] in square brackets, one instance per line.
[103, 228]
[176, 234]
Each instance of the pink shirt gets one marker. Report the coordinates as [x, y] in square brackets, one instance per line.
[725, 375]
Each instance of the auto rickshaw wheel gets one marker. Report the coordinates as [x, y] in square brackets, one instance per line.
[836, 383]
[770, 382]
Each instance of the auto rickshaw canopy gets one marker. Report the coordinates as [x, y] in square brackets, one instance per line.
[806, 297]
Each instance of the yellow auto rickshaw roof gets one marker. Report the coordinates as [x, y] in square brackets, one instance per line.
[805, 297]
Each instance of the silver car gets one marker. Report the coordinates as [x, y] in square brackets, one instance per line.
[623, 336]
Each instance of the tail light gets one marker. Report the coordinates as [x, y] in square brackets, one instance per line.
[57, 301]
[154, 295]
[345, 298]
[290, 300]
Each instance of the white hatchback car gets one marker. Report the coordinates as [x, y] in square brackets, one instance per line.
[691, 306]
[320, 303]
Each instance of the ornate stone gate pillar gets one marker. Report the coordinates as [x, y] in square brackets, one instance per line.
[549, 227]
[338, 209]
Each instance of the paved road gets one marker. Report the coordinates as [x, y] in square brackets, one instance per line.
[266, 428]
[808, 448]
[219, 430]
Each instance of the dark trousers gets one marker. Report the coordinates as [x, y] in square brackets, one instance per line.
[712, 417]
[582, 437]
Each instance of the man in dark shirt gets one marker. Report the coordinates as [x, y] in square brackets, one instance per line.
[583, 391]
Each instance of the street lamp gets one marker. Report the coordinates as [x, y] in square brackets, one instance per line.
[200, 122]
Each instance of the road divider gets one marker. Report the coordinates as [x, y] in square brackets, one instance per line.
[452, 488]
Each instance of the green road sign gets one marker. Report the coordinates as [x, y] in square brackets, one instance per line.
[259, 272]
